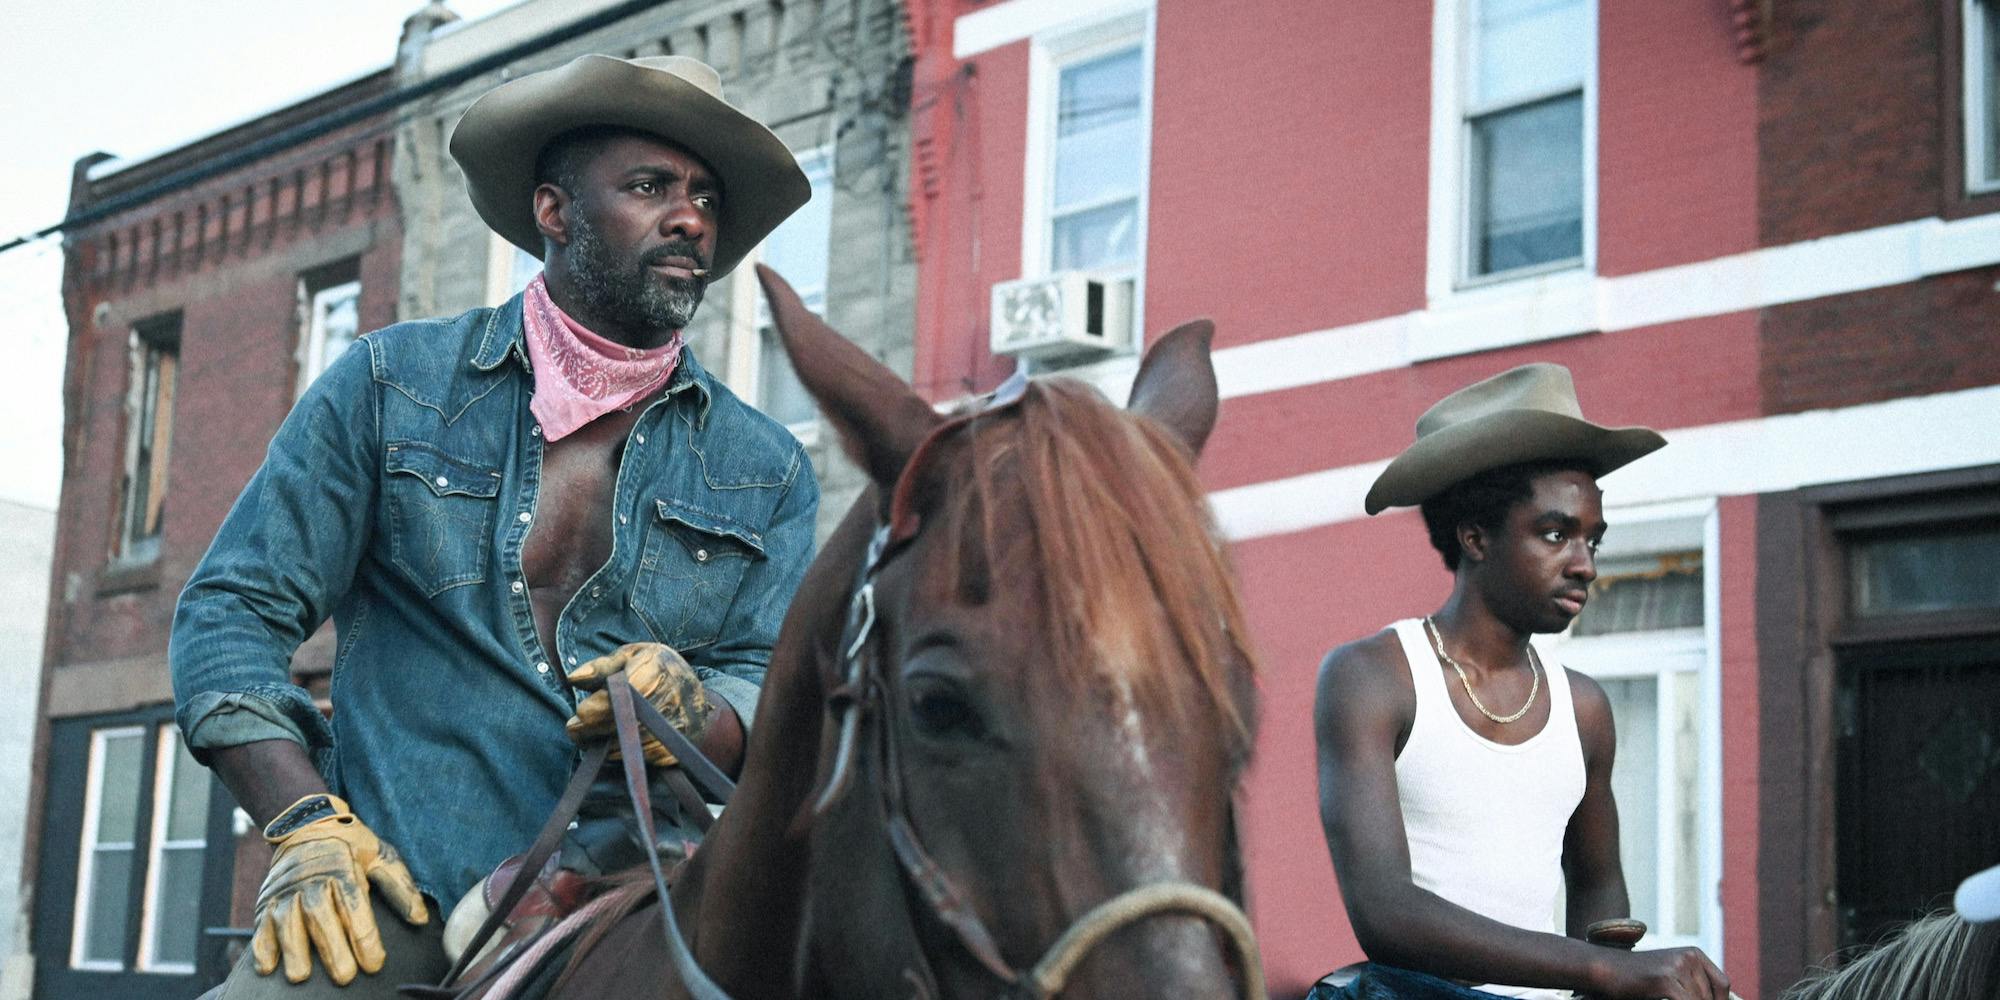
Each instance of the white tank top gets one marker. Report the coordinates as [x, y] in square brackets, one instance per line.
[1485, 820]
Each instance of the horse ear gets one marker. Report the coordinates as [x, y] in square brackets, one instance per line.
[1176, 383]
[879, 418]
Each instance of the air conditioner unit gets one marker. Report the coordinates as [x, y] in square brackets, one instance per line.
[1061, 315]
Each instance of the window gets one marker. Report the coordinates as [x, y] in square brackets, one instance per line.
[173, 869]
[140, 825]
[329, 300]
[1519, 107]
[798, 249]
[109, 850]
[1937, 569]
[1096, 168]
[1982, 96]
[155, 353]
[1646, 636]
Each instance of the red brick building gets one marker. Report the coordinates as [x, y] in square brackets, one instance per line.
[1766, 228]
[197, 312]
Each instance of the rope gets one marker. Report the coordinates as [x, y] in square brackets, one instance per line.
[1052, 973]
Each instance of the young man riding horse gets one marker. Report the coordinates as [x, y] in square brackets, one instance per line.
[1463, 783]
[492, 507]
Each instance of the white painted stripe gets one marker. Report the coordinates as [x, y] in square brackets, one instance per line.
[1952, 430]
[1019, 20]
[1562, 305]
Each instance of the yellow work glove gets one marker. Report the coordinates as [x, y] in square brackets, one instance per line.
[659, 675]
[318, 888]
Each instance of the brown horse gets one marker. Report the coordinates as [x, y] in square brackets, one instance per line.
[1031, 721]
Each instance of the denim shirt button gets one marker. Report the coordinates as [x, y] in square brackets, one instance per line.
[536, 430]
[622, 519]
[443, 482]
[526, 517]
[517, 586]
[701, 555]
[572, 661]
[541, 668]
[642, 438]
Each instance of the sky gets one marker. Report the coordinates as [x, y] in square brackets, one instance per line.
[131, 77]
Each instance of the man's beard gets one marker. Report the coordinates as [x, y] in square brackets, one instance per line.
[623, 290]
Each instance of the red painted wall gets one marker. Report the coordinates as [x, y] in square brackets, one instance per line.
[1696, 372]
[1676, 147]
[1737, 518]
[1288, 164]
[972, 231]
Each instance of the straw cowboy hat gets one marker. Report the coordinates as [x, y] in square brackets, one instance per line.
[676, 98]
[1525, 414]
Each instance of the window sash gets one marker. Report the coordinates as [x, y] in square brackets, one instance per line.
[320, 329]
[84, 912]
[150, 426]
[1481, 230]
[804, 239]
[169, 758]
[1054, 211]
[1980, 21]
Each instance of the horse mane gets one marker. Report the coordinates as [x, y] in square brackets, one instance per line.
[1940, 957]
[1135, 579]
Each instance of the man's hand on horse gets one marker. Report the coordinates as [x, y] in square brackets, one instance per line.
[659, 675]
[316, 896]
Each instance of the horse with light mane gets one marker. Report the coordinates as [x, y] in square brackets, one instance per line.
[1940, 957]
[1004, 721]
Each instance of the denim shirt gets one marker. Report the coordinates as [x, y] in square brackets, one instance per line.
[396, 498]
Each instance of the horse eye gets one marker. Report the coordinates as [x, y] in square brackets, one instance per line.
[939, 714]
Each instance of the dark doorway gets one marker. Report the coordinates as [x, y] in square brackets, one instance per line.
[1918, 786]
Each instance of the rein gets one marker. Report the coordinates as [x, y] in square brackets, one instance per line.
[861, 689]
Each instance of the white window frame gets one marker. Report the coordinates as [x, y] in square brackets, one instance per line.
[141, 342]
[165, 757]
[86, 864]
[508, 269]
[1658, 529]
[312, 329]
[750, 311]
[1049, 53]
[1448, 282]
[1979, 98]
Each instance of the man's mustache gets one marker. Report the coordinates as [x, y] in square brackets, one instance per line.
[661, 254]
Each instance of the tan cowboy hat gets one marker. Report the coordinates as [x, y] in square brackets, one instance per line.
[1525, 414]
[674, 97]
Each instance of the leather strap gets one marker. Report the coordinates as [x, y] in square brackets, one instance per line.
[625, 715]
[538, 855]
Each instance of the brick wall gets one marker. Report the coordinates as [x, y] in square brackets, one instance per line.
[1850, 127]
[1928, 336]
[226, 256]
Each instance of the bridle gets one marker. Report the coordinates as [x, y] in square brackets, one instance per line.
[862, 690]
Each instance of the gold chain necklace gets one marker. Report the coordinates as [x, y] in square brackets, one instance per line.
[1534, 669]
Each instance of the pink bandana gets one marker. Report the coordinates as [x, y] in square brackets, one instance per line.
[580, 376]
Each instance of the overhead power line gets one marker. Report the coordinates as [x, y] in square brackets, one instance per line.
[332, 121]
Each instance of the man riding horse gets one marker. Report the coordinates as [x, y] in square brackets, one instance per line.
[1464, 785]
[500, 510]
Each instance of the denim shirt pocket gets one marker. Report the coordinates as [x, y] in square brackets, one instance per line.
[688, 575]
[441, 513]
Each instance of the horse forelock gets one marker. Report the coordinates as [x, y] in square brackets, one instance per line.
[1138, 593]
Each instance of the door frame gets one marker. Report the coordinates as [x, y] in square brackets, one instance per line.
[1802, 630]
